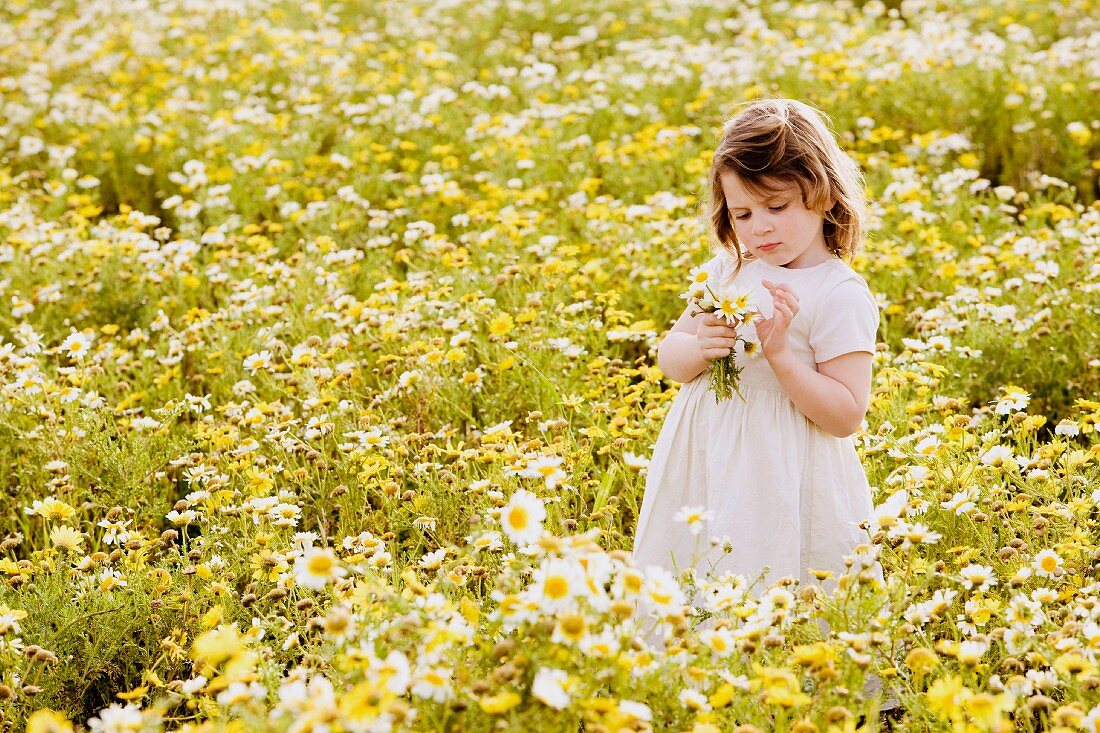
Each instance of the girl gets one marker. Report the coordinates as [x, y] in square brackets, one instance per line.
[776, 473]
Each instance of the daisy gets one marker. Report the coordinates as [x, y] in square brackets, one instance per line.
[979, 576]
[698, 292]
[284, 514]
[997, 456]
[695, 517]
[187, 516]
[255, 362]
[241, 692]
[548, 468]
[634, 461]
[1047, 564]
[887, 513]
[433, 560]
[1013, 400]
[117, 718]
[1044, 595]
[317, 567]
[10, 618]
[77, 345]
[1023, 610]
[109, 580]
[732, 306]
[971, 651]
[699, 275]
[661, 591]
[556, 584]
[571, 628]
[694, 700]
[724, 594]
[963, 501]
[66, 538]
[720, 641]
[434, 684]
[50, 509]
[1092, 720]
[637, 710]
[299, 697]
[603, 645]
[550, 686]
[489, 540]
[522, 518]
[779, 600]
[1016, 639]
[1067, 428]
[928, 446]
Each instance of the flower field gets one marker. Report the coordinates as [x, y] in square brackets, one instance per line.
[328, 365]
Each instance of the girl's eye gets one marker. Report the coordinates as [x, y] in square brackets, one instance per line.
[778, 208]
[742, 217]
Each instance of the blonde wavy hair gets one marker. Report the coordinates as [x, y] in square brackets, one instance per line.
[774, 142]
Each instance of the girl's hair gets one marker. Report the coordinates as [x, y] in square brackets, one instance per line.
[773, 142]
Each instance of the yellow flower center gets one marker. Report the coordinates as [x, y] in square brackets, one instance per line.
[557, 587]
[573, 625]
[518, 517]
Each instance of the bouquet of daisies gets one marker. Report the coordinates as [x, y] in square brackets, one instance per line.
[735, 307]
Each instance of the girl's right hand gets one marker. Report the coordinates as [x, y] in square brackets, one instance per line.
[716, 338]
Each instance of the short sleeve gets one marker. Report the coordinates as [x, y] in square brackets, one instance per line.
[846, 321]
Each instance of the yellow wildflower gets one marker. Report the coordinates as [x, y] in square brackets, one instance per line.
[499, 703]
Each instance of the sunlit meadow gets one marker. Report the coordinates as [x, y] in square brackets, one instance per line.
[329, 381]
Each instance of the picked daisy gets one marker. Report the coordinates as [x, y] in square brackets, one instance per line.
[733, 306]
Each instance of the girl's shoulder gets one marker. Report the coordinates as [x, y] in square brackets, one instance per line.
[721, 265]
[723, 268]
[844, 316]
[838, 272]
[820, 280]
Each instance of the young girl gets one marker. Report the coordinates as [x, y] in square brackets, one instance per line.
[775, 472]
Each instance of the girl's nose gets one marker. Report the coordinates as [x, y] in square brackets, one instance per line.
[761, 225]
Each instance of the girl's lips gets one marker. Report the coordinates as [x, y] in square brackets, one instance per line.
[768, 247]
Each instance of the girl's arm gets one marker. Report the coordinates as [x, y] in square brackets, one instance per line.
[835, 395]
[692, 344]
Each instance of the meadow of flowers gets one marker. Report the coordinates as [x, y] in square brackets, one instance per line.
[329, 379]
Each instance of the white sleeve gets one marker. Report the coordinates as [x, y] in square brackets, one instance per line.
[717, 266]
[846, 321]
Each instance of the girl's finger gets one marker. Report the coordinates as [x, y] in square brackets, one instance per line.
[789, 301]
[786, 292]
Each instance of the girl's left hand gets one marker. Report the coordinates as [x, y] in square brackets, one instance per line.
[773, 331]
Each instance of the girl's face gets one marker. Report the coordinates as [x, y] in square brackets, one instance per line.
[778, 229]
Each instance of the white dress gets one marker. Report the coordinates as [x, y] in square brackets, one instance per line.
[788, 496]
